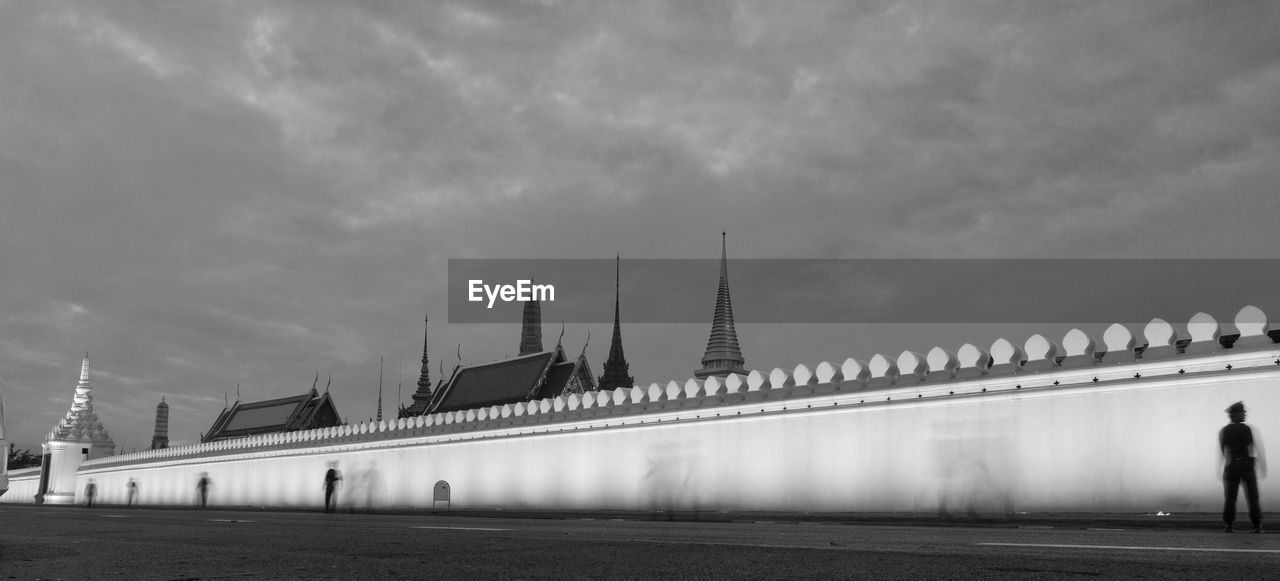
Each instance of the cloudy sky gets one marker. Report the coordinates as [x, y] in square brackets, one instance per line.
[207, 194]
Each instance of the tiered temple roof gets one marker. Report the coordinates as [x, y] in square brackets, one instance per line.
[308, 411]
[530, 377]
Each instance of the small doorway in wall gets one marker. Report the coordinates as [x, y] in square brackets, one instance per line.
[439, 494]
[44, 478]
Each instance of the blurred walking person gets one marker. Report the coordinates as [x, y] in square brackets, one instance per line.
[331, 479]
[203, 485]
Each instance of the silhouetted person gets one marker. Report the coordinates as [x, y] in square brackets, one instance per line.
[203, 486]
[90, 490]
[1243, 462]
[331, 479]
[133, 490]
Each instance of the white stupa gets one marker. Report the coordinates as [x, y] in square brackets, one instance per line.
[79, 436]
[81, 424]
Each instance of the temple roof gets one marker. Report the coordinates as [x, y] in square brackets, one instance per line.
[299, 412]
[81, 424]
[535, 376]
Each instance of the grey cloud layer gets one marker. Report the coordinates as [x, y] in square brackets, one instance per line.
[205, 194]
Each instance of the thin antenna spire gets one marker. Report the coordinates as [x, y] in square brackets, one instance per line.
[225, 404]
[560, 340]
[379, 388]
[459, 353]
[330, 382]
[316, 380]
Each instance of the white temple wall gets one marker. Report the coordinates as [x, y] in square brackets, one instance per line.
[23, 484]
[1036, 428]
[1124, 445]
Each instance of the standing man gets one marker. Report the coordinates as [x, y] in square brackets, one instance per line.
[1243, 462]
[331, 479]
[133, 490]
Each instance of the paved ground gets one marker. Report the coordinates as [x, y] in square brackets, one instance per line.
[118, 543]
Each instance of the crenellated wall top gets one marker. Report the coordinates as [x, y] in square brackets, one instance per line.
[1077, 359]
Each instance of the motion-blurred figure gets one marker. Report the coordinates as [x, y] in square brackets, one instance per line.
[133, 490]
[331, 479]
[371, 480]
[203, 485]
[1243, 461]
[90, 490]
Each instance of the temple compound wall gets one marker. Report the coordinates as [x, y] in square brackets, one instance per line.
[1074, 425]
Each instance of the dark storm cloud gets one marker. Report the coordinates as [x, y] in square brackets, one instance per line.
[210, 194]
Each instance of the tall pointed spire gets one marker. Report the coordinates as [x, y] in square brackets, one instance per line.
[160, 439]
[615, 367]
[723, 356]
[379, 389]
[424, 379]
[531, 328]
[422, 397]
[84, 370]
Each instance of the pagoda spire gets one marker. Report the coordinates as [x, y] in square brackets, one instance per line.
[160, 439]
[81, 424]
[723, 356]
[379, 389]
[616, 367]
[531, 330]
[422, 397]
[84, 370]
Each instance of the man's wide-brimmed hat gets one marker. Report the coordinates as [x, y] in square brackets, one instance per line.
[1236, 408]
